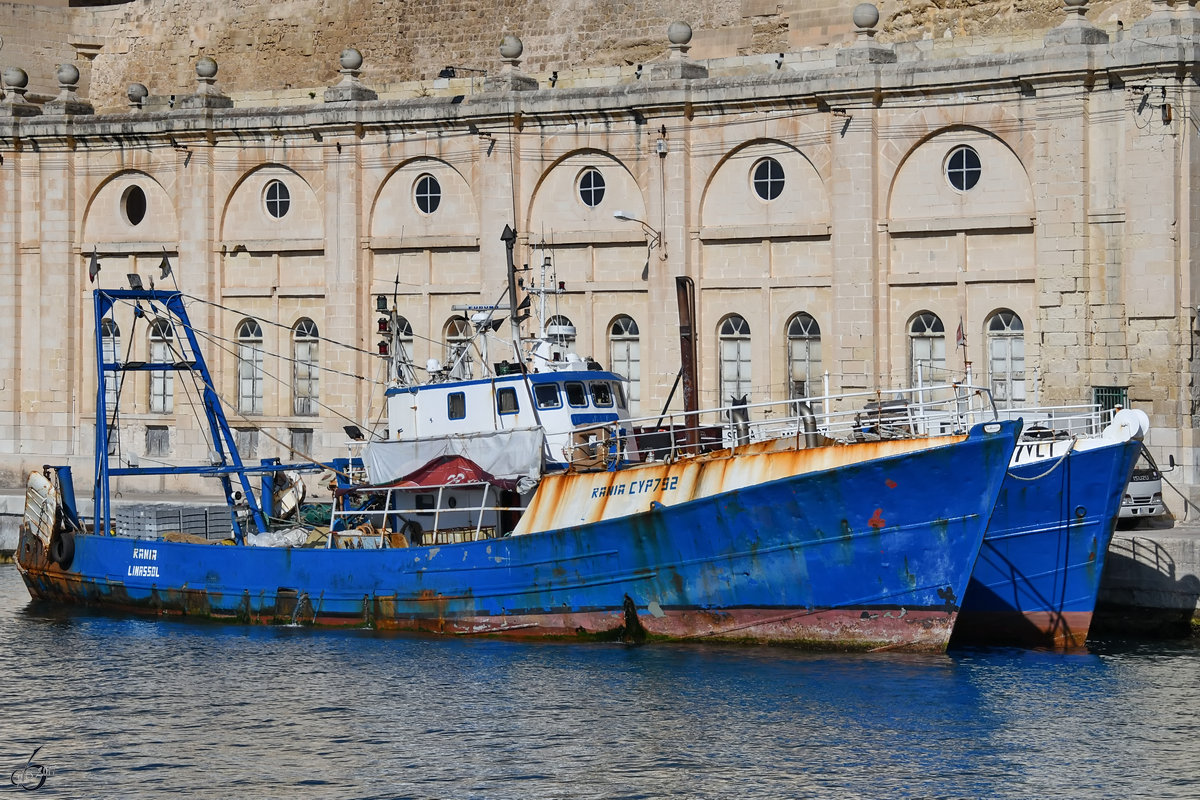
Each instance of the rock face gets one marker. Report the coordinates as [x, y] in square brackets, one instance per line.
[274, 45]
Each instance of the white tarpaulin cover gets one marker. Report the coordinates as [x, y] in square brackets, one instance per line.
[506, 455]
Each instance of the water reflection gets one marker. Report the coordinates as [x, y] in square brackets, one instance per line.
[141, 708]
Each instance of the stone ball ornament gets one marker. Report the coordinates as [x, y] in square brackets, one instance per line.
[137, 92]
[866, 15]
[511, 47]
[67, 74]
[16, 77]
[351, 58]
[206, 67]
[679, 33]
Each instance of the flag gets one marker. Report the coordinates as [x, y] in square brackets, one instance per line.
[165, 266]
[94, 267]
[961, 338]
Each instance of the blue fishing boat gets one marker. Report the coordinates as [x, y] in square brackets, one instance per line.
[576, 526]
[1038, 574]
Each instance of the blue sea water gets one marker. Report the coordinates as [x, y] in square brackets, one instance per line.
[126, 707]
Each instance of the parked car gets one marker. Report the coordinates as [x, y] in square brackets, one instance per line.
[1143, 496]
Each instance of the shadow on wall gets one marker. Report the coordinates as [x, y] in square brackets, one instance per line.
[1142, 592]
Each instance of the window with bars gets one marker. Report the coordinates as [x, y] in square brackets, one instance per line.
[804, 355]
[624, 356]
[1006, 358]
[927, 348]
[162, 382]
[250, 367]
[734, 368]
[305, 370]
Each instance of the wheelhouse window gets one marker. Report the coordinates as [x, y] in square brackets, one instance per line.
[456, 405]
[277, 199]
[591, 187]
[506, 401]
[305, 372]
[162, 382]
[927, 348]
[804, 355]
[734, 367]
[1006, 358]
[767, 178]
[963, 168]
[250, 367]
[546, 395]
[576, 394]
[601, 394]
[624, 354]
[428, 194]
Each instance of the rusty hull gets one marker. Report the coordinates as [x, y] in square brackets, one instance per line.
[855, 556]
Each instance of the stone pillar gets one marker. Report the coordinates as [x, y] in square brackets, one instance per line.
[678, 66]
[510, 79]
[16, 83]
[1076, 29]
[350, 88]
[207, 95]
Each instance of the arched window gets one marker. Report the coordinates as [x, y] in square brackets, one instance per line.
[927, 348]
[457, 335]
[110, 351]
[305, 370]
[624, 356]
[162, 382]
[963, 168]
[734, 367]
[804, 355]
[561, 332]
[1006, 357]
[250, 367]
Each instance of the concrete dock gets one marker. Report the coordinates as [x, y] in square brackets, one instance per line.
[1151, 582]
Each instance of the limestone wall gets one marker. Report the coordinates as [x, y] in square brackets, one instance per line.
[273, 45]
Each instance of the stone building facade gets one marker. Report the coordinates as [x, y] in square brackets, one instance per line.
[851, 215]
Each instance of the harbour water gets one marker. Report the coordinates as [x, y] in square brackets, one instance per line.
[127, 707]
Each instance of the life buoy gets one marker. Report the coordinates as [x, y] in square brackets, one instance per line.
[62, 549]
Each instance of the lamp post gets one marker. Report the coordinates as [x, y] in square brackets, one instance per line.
[653, 239]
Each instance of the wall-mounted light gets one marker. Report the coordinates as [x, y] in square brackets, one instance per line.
[553, 78]
[637, 73]
[653, 239]
[779, 61]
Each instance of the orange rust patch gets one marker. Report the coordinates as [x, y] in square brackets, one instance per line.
[891, 484]
[877, 520]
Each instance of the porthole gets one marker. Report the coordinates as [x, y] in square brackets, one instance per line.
[768, 179]
[428, 194]
[278, 199]
[591, 187]
[133, 205]
[963, 168]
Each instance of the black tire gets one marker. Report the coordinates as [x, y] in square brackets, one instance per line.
[62, 549]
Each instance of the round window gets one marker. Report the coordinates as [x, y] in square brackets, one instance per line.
[278, 199]
[768, 179]
[428, 193]
[591, 187]
[133, 205]
[963, 168]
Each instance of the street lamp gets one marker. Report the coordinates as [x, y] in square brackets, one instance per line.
[653, 239]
